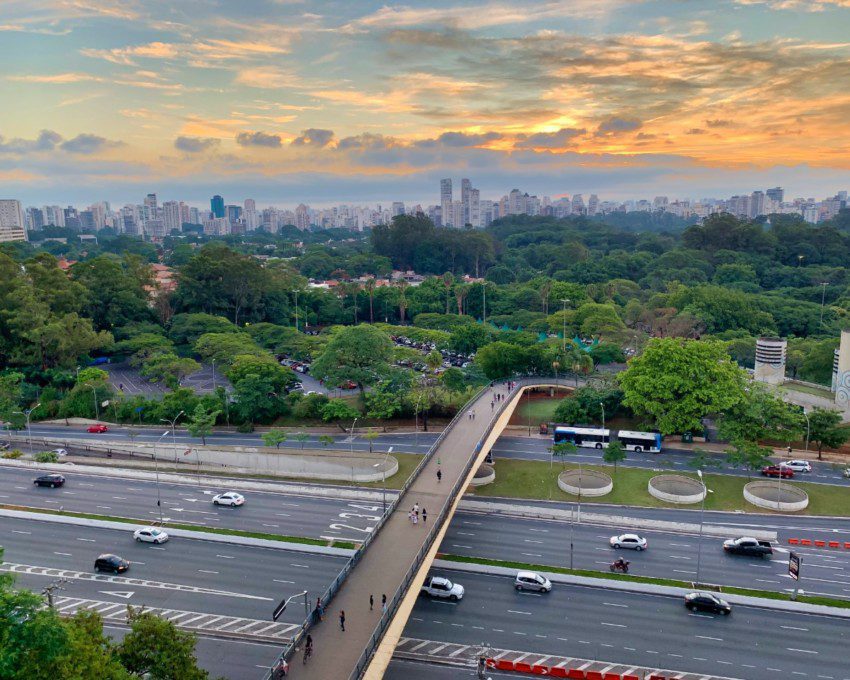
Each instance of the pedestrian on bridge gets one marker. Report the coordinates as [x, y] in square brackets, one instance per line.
[439, 475]
[384, 603]
[342, 620]
[424, 516]
[371, 602]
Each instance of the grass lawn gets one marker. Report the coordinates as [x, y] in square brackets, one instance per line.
[817, 391]
[540, 410]
[533, 479]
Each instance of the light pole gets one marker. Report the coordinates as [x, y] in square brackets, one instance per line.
[213, 368]
[173, 424]
[808, 429]
[384, 475]
[484, 303]
[351, 439]
[94, 394]
[824, 284]
[602, 406]
[416, 421]
[528, 408]
[27, 413]
[156, 468]
[706, 491]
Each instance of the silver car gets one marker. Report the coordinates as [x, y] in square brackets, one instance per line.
[630, 541]
[531, 580]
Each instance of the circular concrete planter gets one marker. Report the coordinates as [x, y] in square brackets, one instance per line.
[676, 489]
[773, 496]
[585, 483]
[486, 474]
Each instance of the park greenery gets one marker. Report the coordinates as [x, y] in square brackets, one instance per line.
[527, 295]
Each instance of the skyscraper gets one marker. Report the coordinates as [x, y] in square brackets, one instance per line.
[171, 216]
[397, 208]
[465, 188]
[250, 204]
[776, 194]
[446, 201]
[474, 217]
[217, 206]
[12, 222]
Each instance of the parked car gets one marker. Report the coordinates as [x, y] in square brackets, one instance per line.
[748, 546]
[98, 429]
[777, 471]
[51, 481]
[707, 602]
[531, 580]
[60, 452]
[798, 465]
[150, 535]
[230, 498]
[630, 541]
[437, 586]
[113, 563]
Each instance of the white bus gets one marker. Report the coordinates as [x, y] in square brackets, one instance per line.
[640, 441]
[590, 437]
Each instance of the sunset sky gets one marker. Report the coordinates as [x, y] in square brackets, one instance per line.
[358, 101]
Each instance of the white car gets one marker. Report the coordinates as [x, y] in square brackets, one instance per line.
[60, 452]
[798, 465]
[437, 586]
[531, 580]
[230, 498]
[630, 541]
[150, 535]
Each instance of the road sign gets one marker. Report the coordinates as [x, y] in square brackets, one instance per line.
[794, 564]
[279, 609]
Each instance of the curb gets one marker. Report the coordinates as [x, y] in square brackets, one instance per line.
[633, 587]
[182, 533]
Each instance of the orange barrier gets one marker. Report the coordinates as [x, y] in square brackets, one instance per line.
[537, 669]
[576, 674]
[593, 675]
[820, 544]
[793, 541]
[522, 667]
[612, 676]
[558, 672]
[503, 665]
[847, 545]
[630, 677]
[805, 541]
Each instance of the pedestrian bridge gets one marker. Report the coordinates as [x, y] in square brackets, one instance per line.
[397, 557]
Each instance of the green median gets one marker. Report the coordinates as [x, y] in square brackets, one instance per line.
[605, 575]
[349, 545]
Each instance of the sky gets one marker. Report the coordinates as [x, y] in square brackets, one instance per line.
[336, 101]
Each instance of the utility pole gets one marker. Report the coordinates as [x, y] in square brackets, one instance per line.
[48, 590]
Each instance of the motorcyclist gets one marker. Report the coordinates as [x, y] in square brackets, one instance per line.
[620, 564]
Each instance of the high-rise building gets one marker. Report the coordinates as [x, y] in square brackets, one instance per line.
[397, 208]
[757, 204]
[302, 217]
[150, 203]
[217, 206]
[34, 218]
[250, 204]
[776, 194]
[593, 204]
[12, 221]
[456, 213]
[194, 216]
[446, 202]
[465, 188]
[217, 226]
[474, 217]
[171, 216]
[577, 207]
[233, 213]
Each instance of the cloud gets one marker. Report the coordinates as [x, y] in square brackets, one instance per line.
[56, 78]
[550, 140]
[87, 144]
[365, 142]
[803, 5]
[461, 139]
[128, 56]
[197, 144]
[616, 125]
[46, 141]
[718, 122]
[695, 131]
[267, 77]
[314, 137]
[258, 139]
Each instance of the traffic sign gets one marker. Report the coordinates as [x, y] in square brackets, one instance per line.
[795, 562]
[279, 609]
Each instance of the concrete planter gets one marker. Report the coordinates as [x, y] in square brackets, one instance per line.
[486, 474]
[588, 483]
[676, 489]
[773, 496]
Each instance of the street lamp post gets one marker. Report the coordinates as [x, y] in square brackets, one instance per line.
[156, 469]
[564, 332]
[706, 491]
[351, 439]
[213, 369]
[384, 475]
[296, 309]
[808, 429]
[173, 424]
[94, 395]
[27, 413]
[416, 421]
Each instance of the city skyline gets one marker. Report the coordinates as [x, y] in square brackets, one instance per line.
[361, 102]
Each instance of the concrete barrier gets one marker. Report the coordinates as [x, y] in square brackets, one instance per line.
[486, 474]
[775, 496]
[676, 489]
[590, 483]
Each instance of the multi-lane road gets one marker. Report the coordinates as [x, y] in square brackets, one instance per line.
[524, 448]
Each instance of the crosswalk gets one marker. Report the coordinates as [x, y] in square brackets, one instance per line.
[208, 624]
[436, 651]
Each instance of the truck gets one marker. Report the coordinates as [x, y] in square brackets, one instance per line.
[748, 546]
[437, 586]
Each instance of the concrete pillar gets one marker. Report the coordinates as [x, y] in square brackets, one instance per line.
[834, 369]
[770, 360]
[842, 380]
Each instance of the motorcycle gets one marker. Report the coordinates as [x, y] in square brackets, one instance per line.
[619, 565]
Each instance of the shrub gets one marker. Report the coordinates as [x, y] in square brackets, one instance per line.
[46, 457]
[14, 454]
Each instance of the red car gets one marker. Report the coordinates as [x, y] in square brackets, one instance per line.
[777, 471]
[98, 429]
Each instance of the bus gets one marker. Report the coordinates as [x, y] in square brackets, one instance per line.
[640, 441]
[590, 437]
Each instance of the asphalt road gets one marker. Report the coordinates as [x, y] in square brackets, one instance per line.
[635, 629]
[192, 504]
[524, 448]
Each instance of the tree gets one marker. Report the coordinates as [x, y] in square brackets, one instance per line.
[302, 438]
[225, 347]
[825, 429]
[201, 422]
[500, 359]
[338, 409]
[274, 438]
[326, 440]
[676, 383]
[564, 449]
[614, 453]
[360, 354]
[169, 368]
[46, 457]
[155, 647]
[748, 455]
[761, 415]
[434, 360]
[371, 436]
[263, 366]
[255, 400]
[701, 460]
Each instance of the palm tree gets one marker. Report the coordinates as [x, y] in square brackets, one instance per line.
[402, 299]
[461, 291]
[448, 280]
[545, 290]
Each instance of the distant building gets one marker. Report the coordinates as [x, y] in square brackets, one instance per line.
[217, 206]
[302, 217]
[171, 216]
[12, 222]
[217, 226]
[397, 209]
[446, 202]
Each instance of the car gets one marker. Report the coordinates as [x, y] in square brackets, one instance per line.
[531, 580]
[707, 602]
[230, 498]
[150, 535]
[113, 563]
[750, 547]
[846, 472]
[349, 385]
[798, 465]
[98, 429]
[777, 471]
[629, 541]
[442, 588]
[60, 452]
[52, 481]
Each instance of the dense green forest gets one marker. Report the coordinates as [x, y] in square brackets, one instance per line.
[235, 303]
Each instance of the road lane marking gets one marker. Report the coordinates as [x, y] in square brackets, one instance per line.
[706, 637]
[805, 630]
[613, 625]
[802, 651]
[514, 611]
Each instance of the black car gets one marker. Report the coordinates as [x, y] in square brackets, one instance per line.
[113, 563]
[707, 602]
[49, 480]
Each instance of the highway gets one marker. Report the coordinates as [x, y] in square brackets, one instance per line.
[524, 448]
[635, 629]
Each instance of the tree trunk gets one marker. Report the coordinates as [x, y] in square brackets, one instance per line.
[371, 313]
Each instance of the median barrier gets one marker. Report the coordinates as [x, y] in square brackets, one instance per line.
[538, 669]
[522, 667]
[590, 483]
[772, 495]
[612, 676]
[834, 544]
[677, 489]
[558, 672]
[575, 674]
[593, 675]
[630, 677]
[805, 541]
[504, 665]
[819, 544]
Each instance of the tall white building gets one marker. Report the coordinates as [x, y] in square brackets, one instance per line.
[465, 189]
[446, 202]
[171, 216]
[302, 217]
[577, 207]
[397, 208]
[12, 222]
[474, 209]
[593, 204]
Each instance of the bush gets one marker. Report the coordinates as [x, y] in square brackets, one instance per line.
[245, 428]
[14, 454]
[310, 406]
[46, 457]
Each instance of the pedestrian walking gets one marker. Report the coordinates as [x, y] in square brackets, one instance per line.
[424, 515]
[415, 518]
[416, 508]
[410, 516]
[384, 603]
[371, 602]
[342, 620]
[439, 475]
[491, 405]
